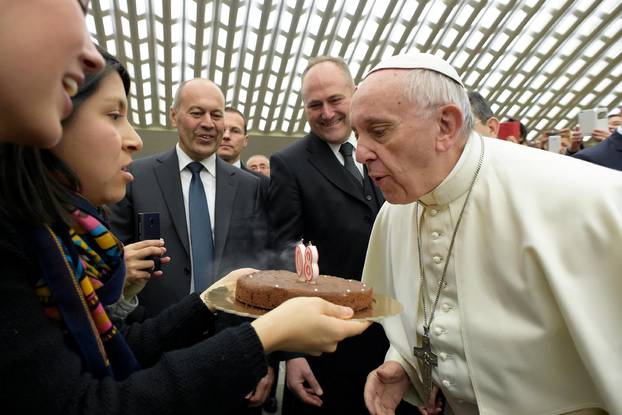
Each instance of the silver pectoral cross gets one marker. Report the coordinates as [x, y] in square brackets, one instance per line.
[427, 360]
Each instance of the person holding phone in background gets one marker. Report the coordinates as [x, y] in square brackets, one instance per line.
[607, 153]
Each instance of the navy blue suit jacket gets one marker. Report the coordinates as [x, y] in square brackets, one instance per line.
[607, 153]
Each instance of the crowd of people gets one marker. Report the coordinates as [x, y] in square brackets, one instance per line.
[402, 182]
[572, 139]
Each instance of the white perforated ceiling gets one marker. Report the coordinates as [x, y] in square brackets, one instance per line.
[536, 60]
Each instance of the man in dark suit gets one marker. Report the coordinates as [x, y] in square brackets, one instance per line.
[235, 140]
[230, 230]
[235, 137]
[161, 184]
[320, 194]
[607, 153]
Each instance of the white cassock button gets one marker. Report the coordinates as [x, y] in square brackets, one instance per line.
[433, 212]
[442, 355]
[435, 235]
[437, 259]
[438, 331]
[446, 383]
[446, 307]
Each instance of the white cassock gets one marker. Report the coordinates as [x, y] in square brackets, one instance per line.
[530, 318]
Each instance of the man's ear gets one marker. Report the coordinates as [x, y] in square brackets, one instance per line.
[173, 115]
[493, 126]
[449, 124]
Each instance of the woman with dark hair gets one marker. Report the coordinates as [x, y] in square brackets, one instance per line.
[59, 269]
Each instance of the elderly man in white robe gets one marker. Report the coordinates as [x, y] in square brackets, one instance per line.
[506, 258]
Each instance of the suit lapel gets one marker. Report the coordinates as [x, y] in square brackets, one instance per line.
[226, 188]
[167, 175]
[324, 160]
[616, 140]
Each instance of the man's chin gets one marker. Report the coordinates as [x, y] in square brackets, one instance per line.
[204, 152]
[392, 193]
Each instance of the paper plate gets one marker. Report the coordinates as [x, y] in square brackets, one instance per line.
[221, 296]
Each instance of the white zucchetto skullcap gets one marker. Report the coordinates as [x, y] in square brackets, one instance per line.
[416, 60]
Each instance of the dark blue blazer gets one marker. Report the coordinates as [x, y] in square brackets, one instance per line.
[607, 153]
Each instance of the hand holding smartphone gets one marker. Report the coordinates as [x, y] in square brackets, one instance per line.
[555, 143]
[148, 227]
[594, 119]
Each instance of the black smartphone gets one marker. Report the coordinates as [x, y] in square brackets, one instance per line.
[148, 227]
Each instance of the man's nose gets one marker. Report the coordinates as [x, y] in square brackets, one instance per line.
[207, 121]
[327, 112]
[363, 154]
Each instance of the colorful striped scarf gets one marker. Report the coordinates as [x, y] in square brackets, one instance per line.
[84, 271]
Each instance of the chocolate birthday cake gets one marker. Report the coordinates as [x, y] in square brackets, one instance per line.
[268, 289]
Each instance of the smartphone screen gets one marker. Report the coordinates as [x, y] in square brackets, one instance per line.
[555, 143]
[590, 120]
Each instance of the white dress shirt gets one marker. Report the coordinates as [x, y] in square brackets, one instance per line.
[335, 149]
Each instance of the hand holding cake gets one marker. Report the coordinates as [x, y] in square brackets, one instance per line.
[306, 324]
[299, 320]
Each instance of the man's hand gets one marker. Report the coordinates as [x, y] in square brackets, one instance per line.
[600, 135]
[258, 396]
[434, 405]
[576, 139]
[385, 388]
[298, 371]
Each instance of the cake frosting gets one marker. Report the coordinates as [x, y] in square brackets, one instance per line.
[268, 289]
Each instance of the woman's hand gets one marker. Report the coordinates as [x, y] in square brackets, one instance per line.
[138, 268]
[306, 324]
